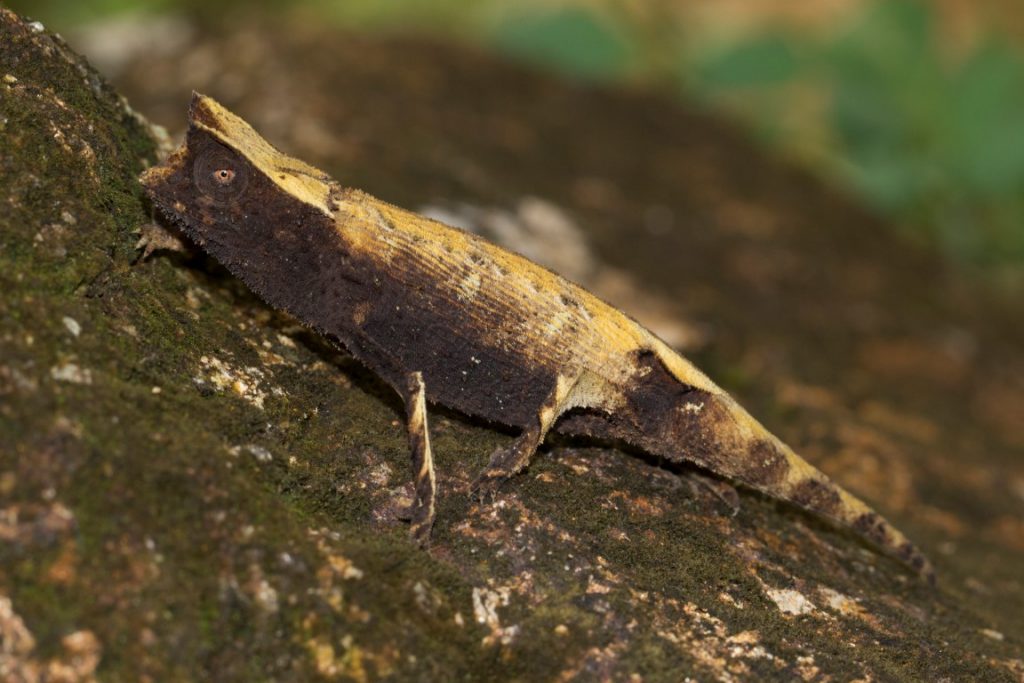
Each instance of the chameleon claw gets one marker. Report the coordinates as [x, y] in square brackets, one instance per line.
[153, 237]
[484, 488]
[504, 464]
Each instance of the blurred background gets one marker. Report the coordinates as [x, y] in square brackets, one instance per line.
[915, 107]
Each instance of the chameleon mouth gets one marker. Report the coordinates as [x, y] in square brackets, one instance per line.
[150, 178]
[173, 162]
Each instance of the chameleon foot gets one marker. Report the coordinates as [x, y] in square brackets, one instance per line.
[485, 487]
[721, 490]
[419, 530]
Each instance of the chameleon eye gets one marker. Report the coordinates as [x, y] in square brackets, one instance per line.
[224, 176]
[218, 173]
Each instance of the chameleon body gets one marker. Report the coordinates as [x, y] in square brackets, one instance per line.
[446, 316]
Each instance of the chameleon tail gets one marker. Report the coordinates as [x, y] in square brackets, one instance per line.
[674, 411]
[772, 467]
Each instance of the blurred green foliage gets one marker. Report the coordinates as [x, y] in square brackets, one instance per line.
[934, 141]
[761, 61]
[572, 40]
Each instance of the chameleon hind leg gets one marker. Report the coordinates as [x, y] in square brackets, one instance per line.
[422, 510]
[508, 461]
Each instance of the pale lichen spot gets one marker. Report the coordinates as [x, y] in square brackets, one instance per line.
[246, 383]
[71, 373]
[486, 602]
[72, 325]
[469, 287]
[485, 605]
[790, 601]
[265, 596]
[260, 453]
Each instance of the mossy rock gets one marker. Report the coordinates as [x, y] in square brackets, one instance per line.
[192, 487]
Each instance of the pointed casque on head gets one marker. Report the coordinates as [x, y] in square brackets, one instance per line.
[262, 214]
[297, 178]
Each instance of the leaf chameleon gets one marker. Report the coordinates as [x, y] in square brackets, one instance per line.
[447, 317]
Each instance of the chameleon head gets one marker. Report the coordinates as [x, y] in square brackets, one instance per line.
[226, 180]
[262, 214]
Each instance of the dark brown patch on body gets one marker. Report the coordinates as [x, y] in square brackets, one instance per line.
[767, 465]
[569, 302]
[912, 556]
[419, 319]
[816, 495]
[590, 423]
[670, 419]
[873, 527]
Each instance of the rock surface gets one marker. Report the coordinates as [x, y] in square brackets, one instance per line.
[194, 488]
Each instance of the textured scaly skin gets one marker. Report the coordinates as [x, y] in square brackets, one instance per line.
[490, 333]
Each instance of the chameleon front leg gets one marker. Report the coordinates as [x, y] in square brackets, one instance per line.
[422, 510]
[512, 459]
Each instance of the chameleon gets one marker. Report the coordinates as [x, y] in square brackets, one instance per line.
[446, 317]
